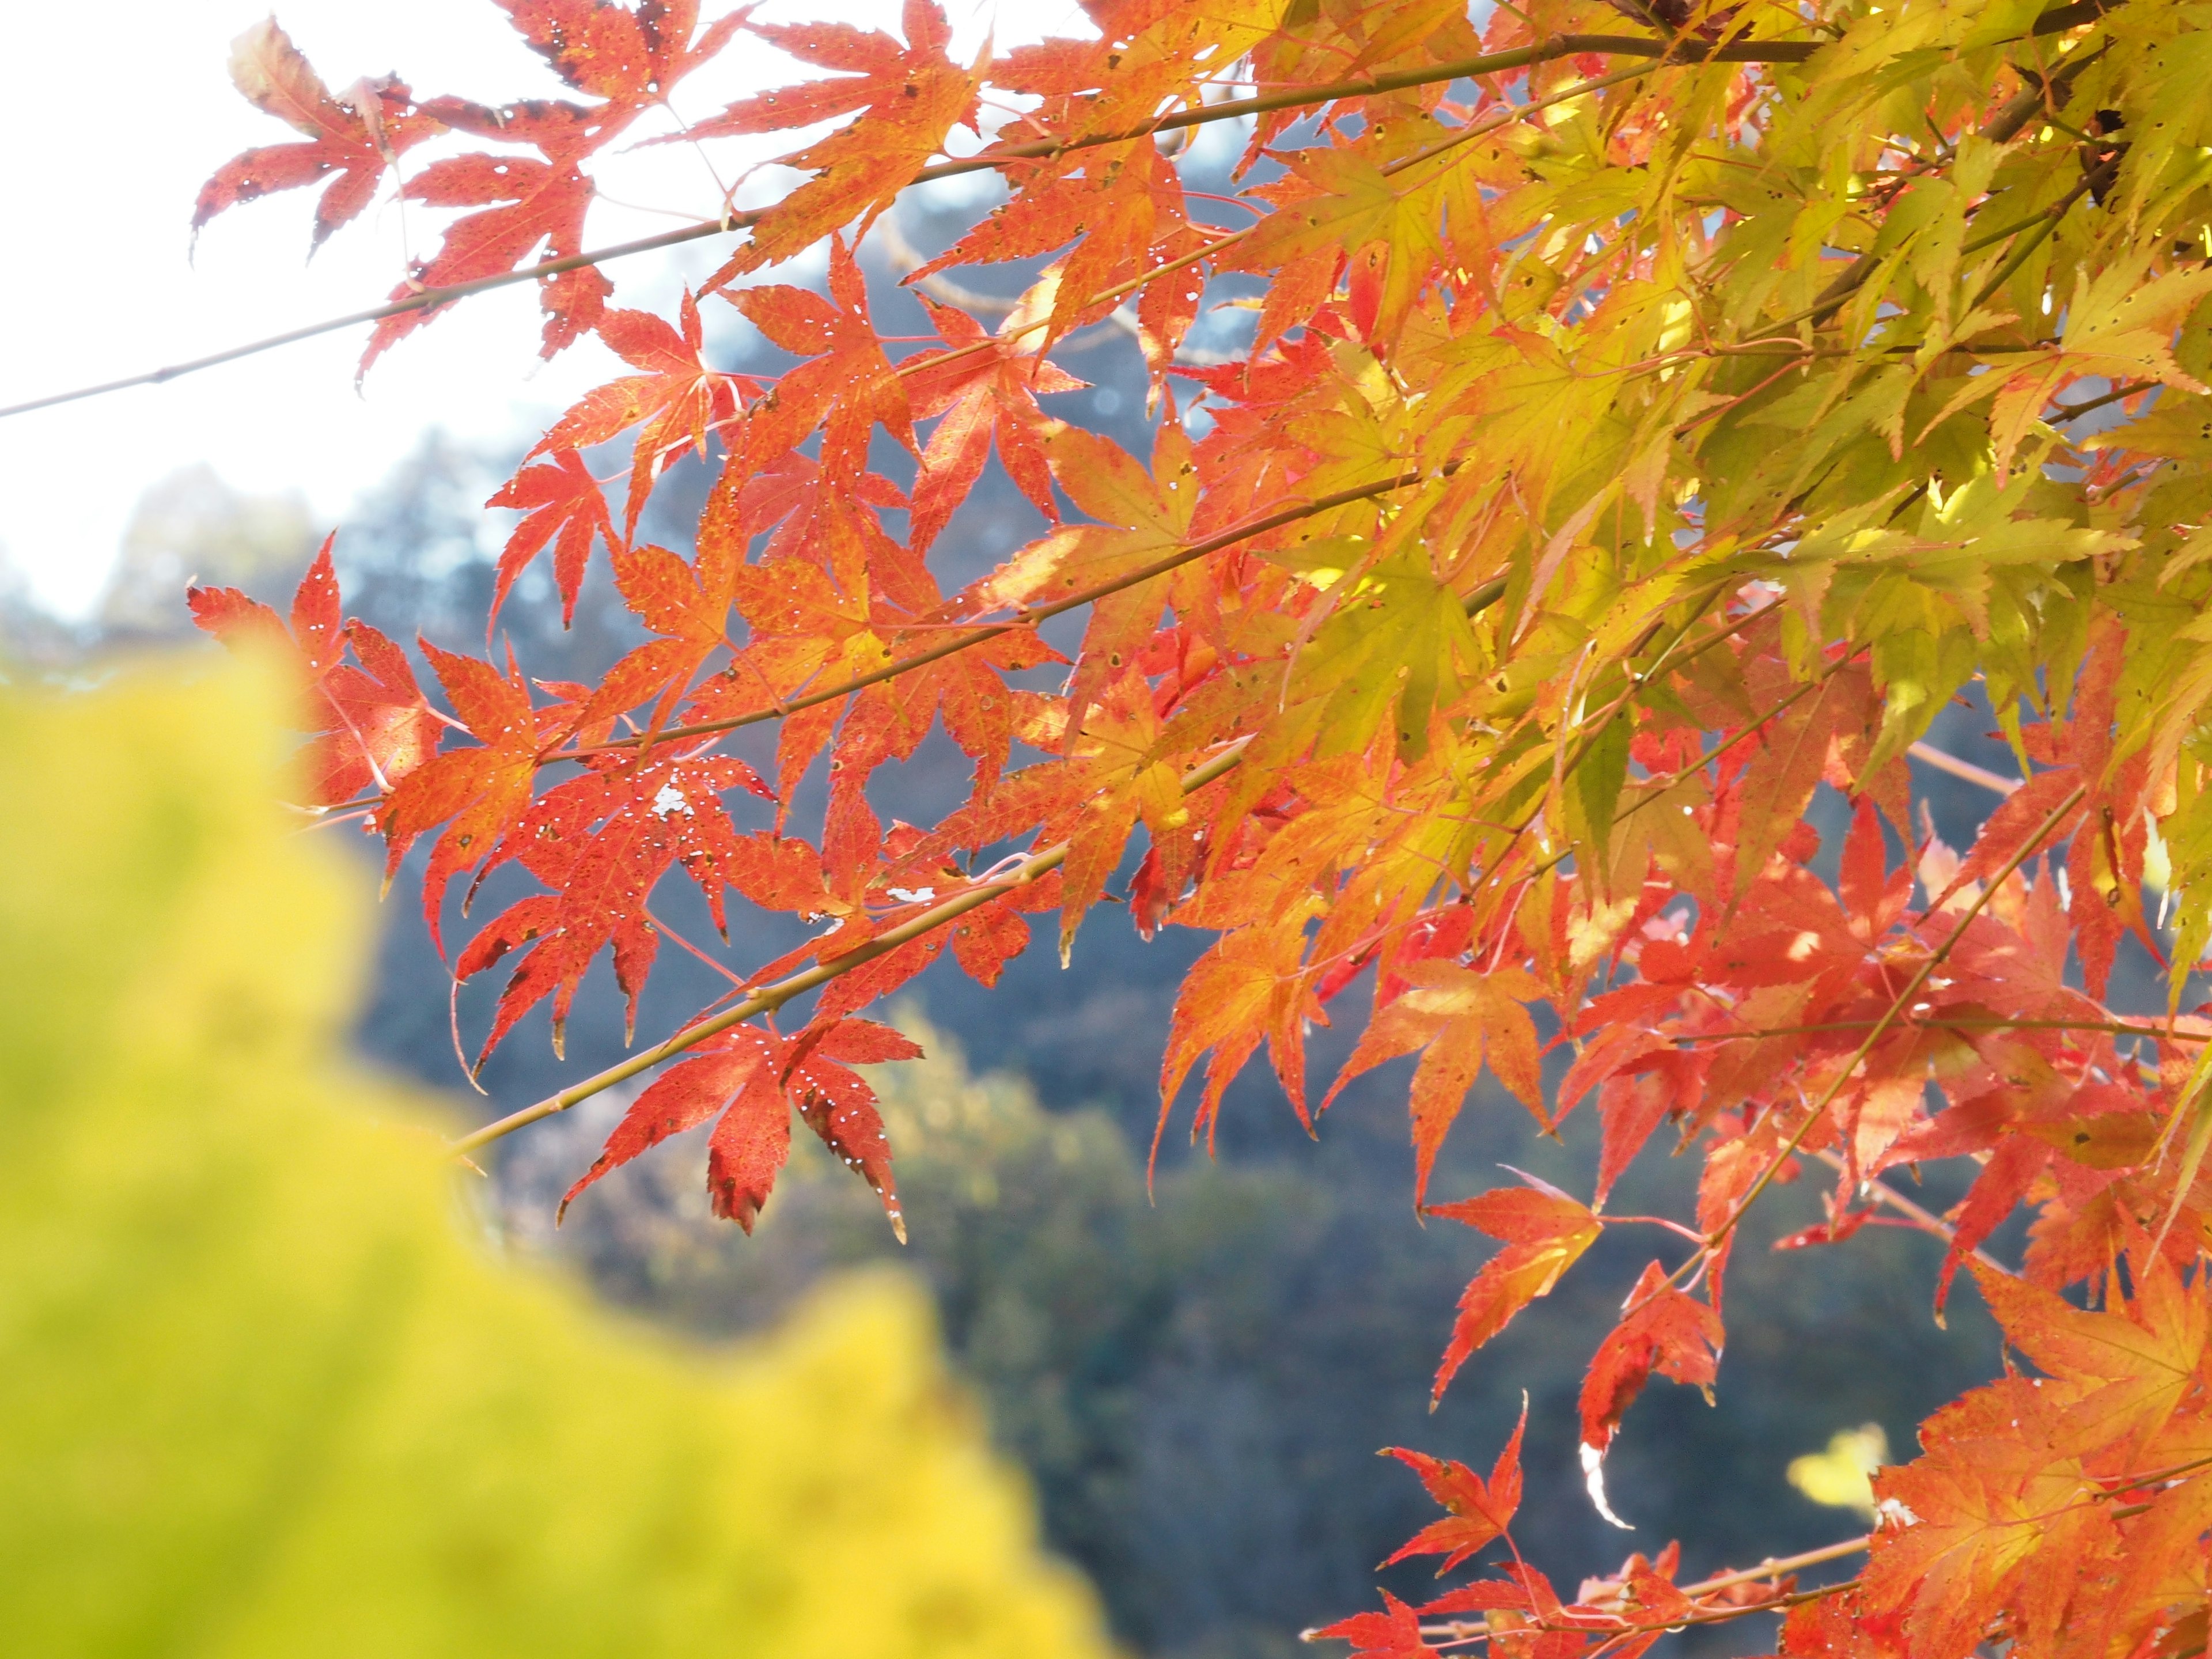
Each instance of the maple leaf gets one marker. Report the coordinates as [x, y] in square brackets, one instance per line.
[478, 793]
[1336, 201]
[845, 386]
[686, 1096]
[1778, 783]
[678, 399]
[747, 1147]
[910, 97]
[687, 606]
[987, 939]
[839, 1106]
[2006, 831]
[984, 395]
[1246, 987]
[562, 504]
[371, 723]
[2132, 1368]
[613, 52]
[1987, 1513]
[602, 842]
[755, 1080]
[1394, 1633]
[1459, 1019]
[384, 728]
[1480, 1512]
[1632, 1107]
[350, 140]
[1665, 1331]
[1545, 1233]
[537, 203]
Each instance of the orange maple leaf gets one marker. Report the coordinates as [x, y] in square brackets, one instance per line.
[1544, 1233]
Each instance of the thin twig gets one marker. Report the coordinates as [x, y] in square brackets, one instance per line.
[429, 298]
[2039, 229]
[2125, 390]
[1673, 52]
[1460, 1630]
[1775, 1569]
[1996, 782]
[1920, 1216]
[1029, 617]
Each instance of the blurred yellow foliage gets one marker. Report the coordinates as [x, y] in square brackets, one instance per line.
[261, 1394]
[1840, 1477]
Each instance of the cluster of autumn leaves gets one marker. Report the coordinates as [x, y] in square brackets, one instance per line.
[1637, 433]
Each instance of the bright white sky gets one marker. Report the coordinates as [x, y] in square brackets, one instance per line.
[98, 198]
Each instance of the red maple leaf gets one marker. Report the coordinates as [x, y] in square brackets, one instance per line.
[845, 386]
[755, 1079]
[1665, 1331]
[631, 60]
[478, 793]
[602, 842]
[354, 138]
[909, 97]
[561, 503]
[534, 203]
[1394, 1633]
[613, 52]
[1480, 1511]
[372, 726]
[1545, 1233]
[1459, 1019]
[988, 391]
[678, 399]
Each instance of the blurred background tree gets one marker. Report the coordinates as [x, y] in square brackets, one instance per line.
[192, 526]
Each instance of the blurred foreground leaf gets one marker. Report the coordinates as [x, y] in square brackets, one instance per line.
[263, 1396]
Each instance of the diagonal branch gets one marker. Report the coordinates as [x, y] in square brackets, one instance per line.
[771, 997]
[1995, 782]
[1028, 617]
[1459, 1630]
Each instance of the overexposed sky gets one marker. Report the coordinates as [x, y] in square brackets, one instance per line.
[98, 202]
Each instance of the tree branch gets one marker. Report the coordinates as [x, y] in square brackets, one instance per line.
[1458, 1630]
[1918, 1214]
[1030, 617]
[1993, 781]
[1670, 53]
